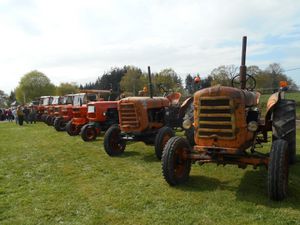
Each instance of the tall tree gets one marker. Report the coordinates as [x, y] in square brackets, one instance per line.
[133, 81]
[3, 99]
[67, 88]
[223, 74]
[169, 79]
[32, 85]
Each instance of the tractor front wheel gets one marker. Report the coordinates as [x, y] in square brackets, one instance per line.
[88, 132]
[176, 166]
[71, 129]
[113, 143]
[161, 139]
[59, 124]
[278, 170]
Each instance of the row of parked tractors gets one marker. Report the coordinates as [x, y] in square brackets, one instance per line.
[222, 125]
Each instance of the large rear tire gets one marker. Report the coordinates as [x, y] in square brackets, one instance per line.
[71, 129]
[88, 132]
[278, 170]
[175, 166]
[113, 143]
[284, 125]
[161, 139]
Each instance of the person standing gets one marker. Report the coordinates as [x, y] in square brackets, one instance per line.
[20, 115]
[32, 115]
[26, 114]
[14, 112]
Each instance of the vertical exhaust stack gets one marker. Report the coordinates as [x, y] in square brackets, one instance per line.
[150, 83]
[243, 67]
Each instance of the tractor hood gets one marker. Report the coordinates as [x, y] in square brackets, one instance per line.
[147, 102]
[249, 98]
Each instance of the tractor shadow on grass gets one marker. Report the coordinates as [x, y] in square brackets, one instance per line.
[253, 188]
[203, 183]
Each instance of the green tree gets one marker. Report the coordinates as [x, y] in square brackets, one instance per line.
[169, 79]
[67, 88]
[3, 99]
[133, 81]
[32, 85]
[223, 75]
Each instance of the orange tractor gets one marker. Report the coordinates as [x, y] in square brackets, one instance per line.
[63, 113]
[50, 109]
[80, 109]
[147, 119]
[44, 101]
[229, 130]
[101, 115]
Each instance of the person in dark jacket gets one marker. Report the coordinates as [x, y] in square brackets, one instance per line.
[20, 115]
[26, 112]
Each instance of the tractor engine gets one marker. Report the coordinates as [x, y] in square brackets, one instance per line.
[137, 114]
[225, 117]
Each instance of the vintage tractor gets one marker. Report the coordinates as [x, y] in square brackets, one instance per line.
[101, 115]
[50, 110]
[228, 130]
[44, 102]
[63, 113]
[79, 109]
[148, 119]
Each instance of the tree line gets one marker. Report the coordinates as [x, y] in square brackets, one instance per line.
[129, 80]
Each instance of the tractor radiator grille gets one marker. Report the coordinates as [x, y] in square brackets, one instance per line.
[216, 118]
[128, 116]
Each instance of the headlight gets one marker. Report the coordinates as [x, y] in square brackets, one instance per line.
[104, 113]
[187, 124]
[91, 109]
[252, 126]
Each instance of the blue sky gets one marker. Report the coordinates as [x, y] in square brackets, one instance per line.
[79, 40]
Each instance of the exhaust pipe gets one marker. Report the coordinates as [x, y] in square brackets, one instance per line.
[243, 67]
[150, 83]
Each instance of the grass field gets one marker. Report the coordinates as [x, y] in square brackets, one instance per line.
[47, 177]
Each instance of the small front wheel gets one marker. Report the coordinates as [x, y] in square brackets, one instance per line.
[88, 132]
[162, 137]
[176, 166]
[278, 170]
[113, 143]
[72, 129]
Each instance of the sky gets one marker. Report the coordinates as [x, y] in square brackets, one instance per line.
[77, 41]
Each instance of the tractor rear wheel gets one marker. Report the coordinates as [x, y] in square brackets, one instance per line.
[162, 137]
[278, 170]
[284, 125]
[59, 124]
[48, 120]
[175, 166]
[71, 129]
[113, 143]
[88, 132]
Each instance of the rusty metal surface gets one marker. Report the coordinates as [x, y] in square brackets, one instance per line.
[240, 138]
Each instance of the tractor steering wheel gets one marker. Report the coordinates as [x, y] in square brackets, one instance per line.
[250, 82]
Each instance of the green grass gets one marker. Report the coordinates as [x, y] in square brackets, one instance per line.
[47, 177]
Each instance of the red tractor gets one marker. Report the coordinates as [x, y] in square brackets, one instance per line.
[57, 101]
[229, 130]
[44, 102]
[101, 115]
[79, 109]
[63, 113]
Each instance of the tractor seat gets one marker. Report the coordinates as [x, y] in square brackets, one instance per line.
[251, 98]
[174, 98]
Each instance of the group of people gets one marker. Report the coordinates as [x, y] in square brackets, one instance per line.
[19, 114]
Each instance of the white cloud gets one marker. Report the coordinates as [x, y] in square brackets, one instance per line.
[79, 40]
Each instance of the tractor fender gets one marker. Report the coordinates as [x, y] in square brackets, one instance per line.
[184, 106]
[273, 99]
